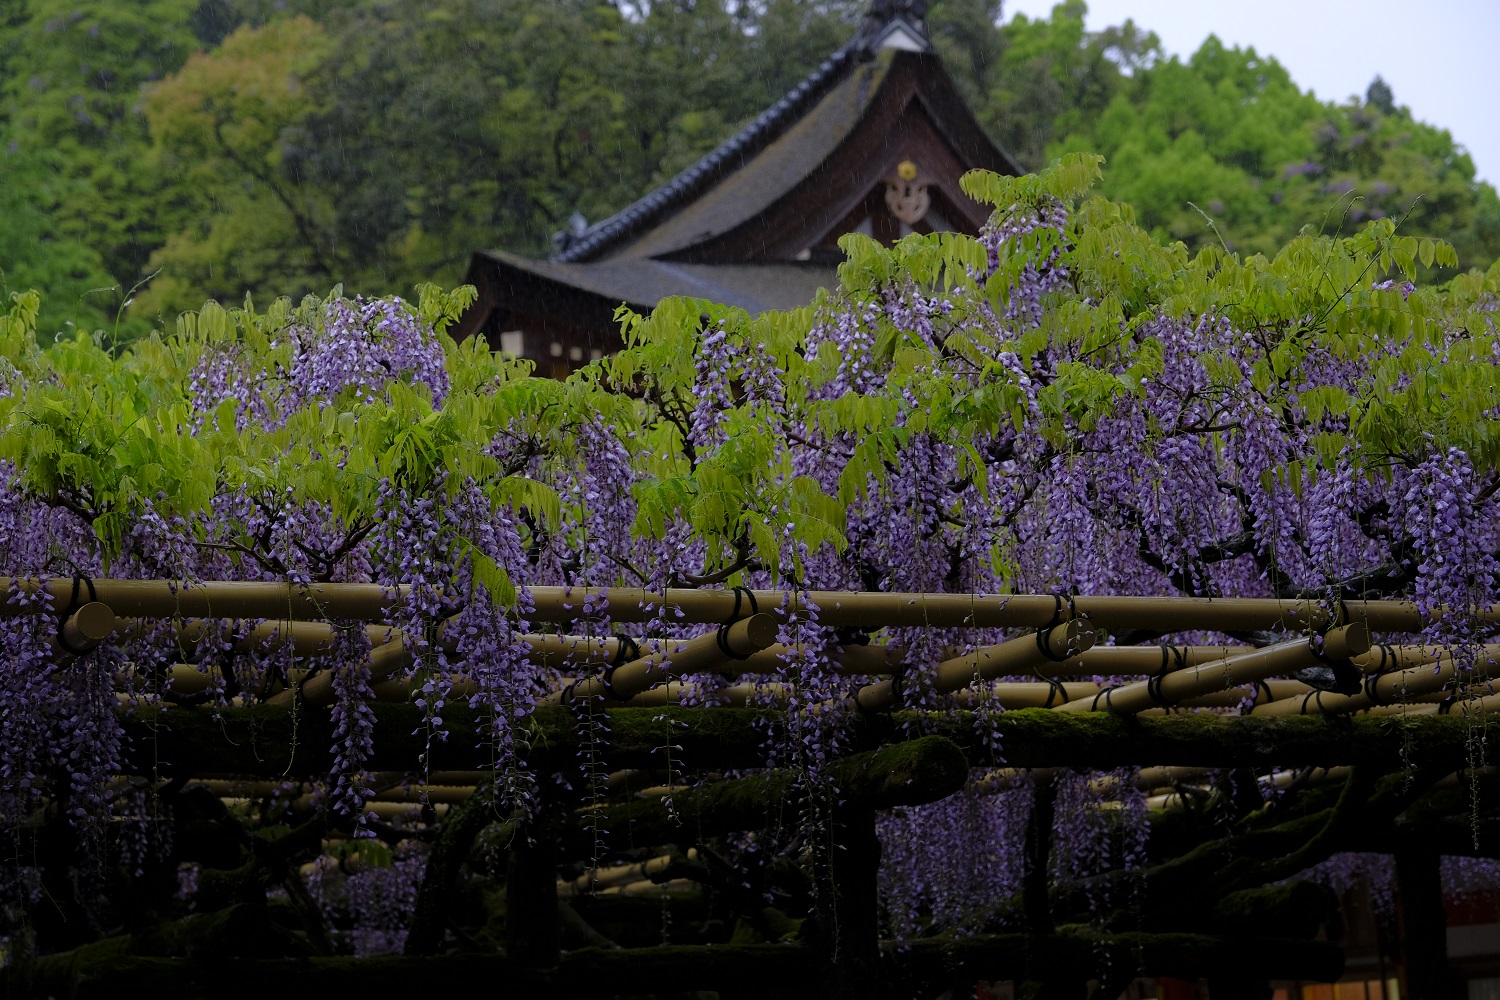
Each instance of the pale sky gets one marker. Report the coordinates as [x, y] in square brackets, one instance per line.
[1441, 58]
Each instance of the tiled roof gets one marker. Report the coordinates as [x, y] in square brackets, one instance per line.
[732, 154]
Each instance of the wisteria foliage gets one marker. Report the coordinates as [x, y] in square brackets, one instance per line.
[1061, 405]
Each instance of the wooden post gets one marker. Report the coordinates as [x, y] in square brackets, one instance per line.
[848, 905]
[531, 923]
[1037, 852]
[1424, 927]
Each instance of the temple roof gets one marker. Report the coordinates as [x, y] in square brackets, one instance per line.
[873, 140]
[733, 153]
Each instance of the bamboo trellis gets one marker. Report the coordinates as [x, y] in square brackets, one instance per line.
[1057, 662]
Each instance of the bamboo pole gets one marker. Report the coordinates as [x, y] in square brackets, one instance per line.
[1379, 689]
[730, 696]
[1149, 778]
[1149, 660]
[1177, 798]
[1172, 688]
[646, 887]
[371, 602]
[1469, 707]
[1051, 644]
[982, 610]
[222, 598]
[311, 638]
[1012, 695]
[597, 879]
[1383, 658]
[395, 657]
[318, 689]
[1258, 693]
[305, 638]
[434, 793]
[744, 637]
[851, 659]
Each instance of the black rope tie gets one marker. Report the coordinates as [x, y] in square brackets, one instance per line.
[1057, 610]
[1045, 648]
[626, 651]
[722, 639]
[1261, 688]
[898, 685]
[1153, 691]
[227, 673]
[1315, 647]
[1057, 693]
[741, 594]
[1372, 689]
[62, 620]
[746, 594]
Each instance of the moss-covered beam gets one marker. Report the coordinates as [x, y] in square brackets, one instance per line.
[923, 967]
[901, 774]
[914, 968]
[273, 741]
[107, 974]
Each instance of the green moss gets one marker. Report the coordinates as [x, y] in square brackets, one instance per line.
[267, 741]
[1077, 954]
[1296, 909]
[921, 770]
[636, 971]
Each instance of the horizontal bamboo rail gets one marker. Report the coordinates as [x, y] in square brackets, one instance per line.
[1009, 695]
[1471, 707]
[1052, 645]
[1149, 660]
[221, 598]
[851, 659]
[1379, 689]
[1049, 645]
[598, 879]
[1172, 688]
[1150, 778]
[686, 656]
[1383, 658]
[1259, 693]
[1178, 797]
[372, 602]
[677, 887]
[386, 660]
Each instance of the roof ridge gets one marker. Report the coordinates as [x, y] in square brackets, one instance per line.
[746, 142]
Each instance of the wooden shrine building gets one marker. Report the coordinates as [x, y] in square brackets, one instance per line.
[873, 141]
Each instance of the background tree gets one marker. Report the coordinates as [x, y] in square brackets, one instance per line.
[70, 96]
[377, 144]
[242, 223]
